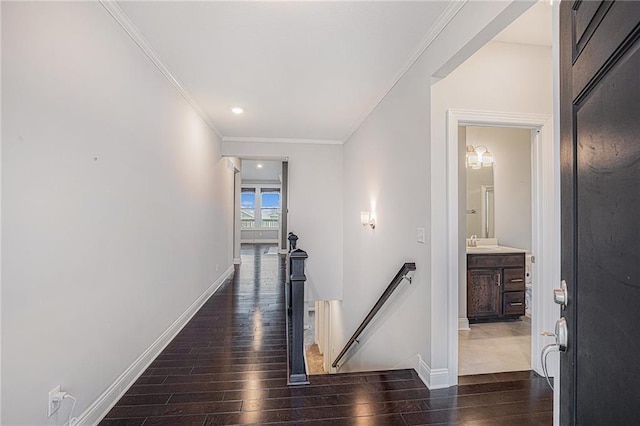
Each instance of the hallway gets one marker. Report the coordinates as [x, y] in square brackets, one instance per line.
[228, 366]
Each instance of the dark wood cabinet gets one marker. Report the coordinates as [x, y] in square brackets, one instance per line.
[483, 293]
[495, 286]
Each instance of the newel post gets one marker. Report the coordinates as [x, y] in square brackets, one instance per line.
[297, 373]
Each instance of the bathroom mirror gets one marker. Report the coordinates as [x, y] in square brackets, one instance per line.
[480, 204]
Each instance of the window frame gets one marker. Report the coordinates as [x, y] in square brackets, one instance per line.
[257, 188]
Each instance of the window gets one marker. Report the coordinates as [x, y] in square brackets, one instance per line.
[259, 207]
[270, 207]
[248, 208]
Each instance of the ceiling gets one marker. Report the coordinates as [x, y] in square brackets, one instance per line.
[533, 27]
[300, 70]
[270, 170]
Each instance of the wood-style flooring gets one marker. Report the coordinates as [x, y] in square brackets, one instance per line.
[228, 366]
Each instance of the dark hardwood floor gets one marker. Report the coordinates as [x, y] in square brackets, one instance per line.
[228, 366]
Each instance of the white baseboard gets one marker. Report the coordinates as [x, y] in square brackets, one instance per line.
[463, 324]
[433, 379]
[105, 402]
[236, 261]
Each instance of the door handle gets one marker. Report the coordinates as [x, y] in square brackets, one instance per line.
[562, 340]
[560, 295]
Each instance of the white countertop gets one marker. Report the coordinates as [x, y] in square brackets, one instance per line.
[491, 249]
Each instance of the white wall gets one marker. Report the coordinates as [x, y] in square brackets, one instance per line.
[388, 168]
[315, 206]
[116, 205]
[511, 149]
[499, 77]
[390, 181]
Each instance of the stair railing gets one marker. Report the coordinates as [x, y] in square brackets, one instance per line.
[296, 358]
[402, 274]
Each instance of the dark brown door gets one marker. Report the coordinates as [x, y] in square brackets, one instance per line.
[600, 162]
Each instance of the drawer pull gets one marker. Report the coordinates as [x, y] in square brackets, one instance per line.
[516, 304]
[517, 280]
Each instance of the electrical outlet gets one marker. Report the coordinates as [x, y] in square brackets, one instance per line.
[53, 405]
[217, 267]
[421, 235]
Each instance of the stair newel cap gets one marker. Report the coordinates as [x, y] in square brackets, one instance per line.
[297, 265]
[299, 254]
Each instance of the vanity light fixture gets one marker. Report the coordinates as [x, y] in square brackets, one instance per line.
[472, 157]
[487, 159]
[367, 219]
[237, 110]
[259, 165]
[478, 157]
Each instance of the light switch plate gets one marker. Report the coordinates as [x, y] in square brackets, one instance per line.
[421, 235]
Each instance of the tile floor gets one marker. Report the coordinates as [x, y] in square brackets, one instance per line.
[495, 347]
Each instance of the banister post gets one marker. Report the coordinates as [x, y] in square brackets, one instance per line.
[293, 239]
[297, 373]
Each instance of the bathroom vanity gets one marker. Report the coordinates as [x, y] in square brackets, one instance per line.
[495, 283]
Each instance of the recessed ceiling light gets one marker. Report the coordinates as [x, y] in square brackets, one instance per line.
[237, 110]
[259, 166]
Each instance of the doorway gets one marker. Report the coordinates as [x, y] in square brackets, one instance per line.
[496, 282]
[544, 220]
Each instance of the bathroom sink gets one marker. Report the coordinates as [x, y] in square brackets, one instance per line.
[483, 249]
[493, 249]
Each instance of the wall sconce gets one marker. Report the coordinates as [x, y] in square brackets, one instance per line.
[478, 157]
[367, 219]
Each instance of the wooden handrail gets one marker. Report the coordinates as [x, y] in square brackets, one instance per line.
[402, 273]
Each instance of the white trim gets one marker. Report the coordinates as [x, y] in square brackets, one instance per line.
[443, 20]
[284, 251]
[236, 261]
[260, 241]
[544, 221]
[105, 402]
[463, 324]
[129, 27]
[281, 140]
[433, 379]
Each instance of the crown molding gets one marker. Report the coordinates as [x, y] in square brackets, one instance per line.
[129, 27]
[443, 20]
[282, 140]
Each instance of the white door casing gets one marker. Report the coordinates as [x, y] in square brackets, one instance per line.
[545, 222]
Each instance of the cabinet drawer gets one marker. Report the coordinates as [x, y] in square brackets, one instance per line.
[513, 303]
[495, 260]
[514, 279]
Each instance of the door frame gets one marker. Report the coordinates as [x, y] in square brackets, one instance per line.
[545, 220]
